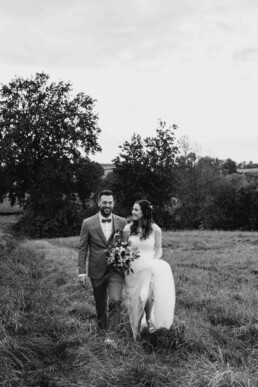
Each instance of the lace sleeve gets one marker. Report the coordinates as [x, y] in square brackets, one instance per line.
[158, 243]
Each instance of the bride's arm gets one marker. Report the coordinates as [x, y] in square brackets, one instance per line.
[126, 232]
[158, 243]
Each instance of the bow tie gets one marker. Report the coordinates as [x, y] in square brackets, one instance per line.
[106, 220]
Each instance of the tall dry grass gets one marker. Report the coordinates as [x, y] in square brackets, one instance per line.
[49, 336]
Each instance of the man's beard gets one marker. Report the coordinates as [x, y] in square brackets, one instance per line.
[105, 214]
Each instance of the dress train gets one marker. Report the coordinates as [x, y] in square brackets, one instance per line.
[155, 275]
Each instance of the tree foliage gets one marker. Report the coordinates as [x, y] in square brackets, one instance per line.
[88, 176]
[229, 167]
[145, 169]
[247, 165]
[39, 122]
[46, 137]
[213, 195]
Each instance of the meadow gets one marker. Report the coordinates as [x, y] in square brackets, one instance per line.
[6, 208]
[48, 332]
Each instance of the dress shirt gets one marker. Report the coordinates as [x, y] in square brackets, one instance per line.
[107, 227]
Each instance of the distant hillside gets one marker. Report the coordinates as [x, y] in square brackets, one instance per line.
[249, 171]
[6, 208]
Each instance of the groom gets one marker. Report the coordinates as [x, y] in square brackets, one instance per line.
[96, 234]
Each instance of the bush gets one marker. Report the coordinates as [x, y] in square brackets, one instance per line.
[67, 222]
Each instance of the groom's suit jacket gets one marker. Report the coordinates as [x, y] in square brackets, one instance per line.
[93, 244]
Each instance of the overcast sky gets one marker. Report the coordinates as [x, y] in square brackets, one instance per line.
[192, 63]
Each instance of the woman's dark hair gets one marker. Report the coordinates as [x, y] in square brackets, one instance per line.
[146, 221]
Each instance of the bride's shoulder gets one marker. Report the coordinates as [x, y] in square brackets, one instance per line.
[156, 228]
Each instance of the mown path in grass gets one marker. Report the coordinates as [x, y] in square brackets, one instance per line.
[214, 339]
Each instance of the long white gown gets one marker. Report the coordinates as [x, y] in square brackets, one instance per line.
[149, 271]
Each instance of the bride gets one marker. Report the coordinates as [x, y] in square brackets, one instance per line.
[150, 289]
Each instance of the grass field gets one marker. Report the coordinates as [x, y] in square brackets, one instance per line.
[213, 341]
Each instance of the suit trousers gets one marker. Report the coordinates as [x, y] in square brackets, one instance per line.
[108, 290]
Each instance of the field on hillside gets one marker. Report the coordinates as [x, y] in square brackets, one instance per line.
[249, 171]
[213, 341]
[6, 221]
[6, 207]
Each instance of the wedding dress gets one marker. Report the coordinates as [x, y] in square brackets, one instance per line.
[149, 272]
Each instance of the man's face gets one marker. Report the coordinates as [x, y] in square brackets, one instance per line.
[106, 205]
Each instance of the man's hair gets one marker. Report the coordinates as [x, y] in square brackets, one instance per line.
[105, 192]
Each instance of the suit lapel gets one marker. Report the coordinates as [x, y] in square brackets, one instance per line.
[116, 223]
[113, 233]
[99, 229]
[116, 227]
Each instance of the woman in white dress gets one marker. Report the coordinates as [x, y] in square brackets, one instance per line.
[150, 289]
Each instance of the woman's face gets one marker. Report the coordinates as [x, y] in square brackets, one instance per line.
[137, 212]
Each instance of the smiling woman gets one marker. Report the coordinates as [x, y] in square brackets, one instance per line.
[149, 288]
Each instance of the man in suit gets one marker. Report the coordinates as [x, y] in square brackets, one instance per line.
[96, 234]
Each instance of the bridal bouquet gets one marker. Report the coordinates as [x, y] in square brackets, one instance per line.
[120, 254]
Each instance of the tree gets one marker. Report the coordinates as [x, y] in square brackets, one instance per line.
[229, 166]
[45, 137]
[198, 179]
[39, 120]
[145, 169]
[88, 175]
[5, 181]
[248, 207]
[247, 165]
[213, 196]
[219, 211]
